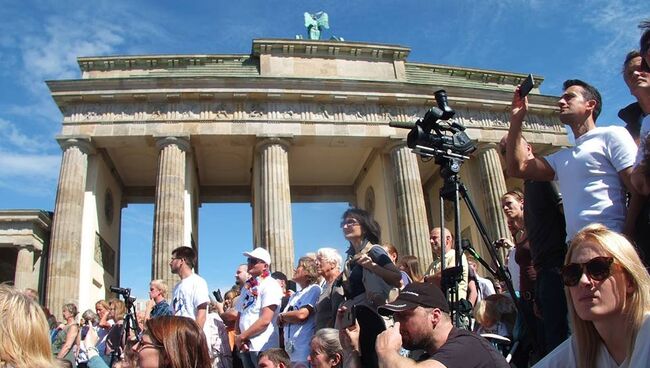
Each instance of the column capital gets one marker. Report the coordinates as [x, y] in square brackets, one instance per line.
[264, 142]
[181, 141]
[27, 246]
[83, 143]
[483, 147]
[394, 144]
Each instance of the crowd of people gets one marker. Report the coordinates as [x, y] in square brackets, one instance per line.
[578, 293]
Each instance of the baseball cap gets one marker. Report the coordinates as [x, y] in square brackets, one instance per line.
[416, 294]
[261, 254]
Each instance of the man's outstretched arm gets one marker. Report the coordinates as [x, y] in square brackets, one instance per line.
[517, 161]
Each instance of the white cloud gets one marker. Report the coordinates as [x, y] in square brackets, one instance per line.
[11, 136]
[19, 165]
[31, 174]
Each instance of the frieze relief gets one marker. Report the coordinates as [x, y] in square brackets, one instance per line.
[369, 113]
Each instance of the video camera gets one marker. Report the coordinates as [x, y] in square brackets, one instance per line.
[124, 292]
[422, 141]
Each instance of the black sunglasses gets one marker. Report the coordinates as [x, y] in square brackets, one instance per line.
[598, 268]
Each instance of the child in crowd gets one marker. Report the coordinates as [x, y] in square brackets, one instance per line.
[492, 315]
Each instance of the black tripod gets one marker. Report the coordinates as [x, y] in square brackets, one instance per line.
[453, 190]
[130, 324]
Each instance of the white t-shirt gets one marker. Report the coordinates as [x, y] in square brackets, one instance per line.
[250, 307]
[645, 129]
[564, 356]
[588, 177]
[189, 293]
[298, 336]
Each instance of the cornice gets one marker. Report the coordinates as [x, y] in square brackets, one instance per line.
[330, 48]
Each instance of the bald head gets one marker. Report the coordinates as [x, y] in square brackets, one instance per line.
[503, 143]
[436, 239]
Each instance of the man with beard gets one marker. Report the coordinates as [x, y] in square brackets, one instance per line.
[422, 321]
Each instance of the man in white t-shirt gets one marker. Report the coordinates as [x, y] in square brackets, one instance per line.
[258, 306]
[190, 296]
[594, 174]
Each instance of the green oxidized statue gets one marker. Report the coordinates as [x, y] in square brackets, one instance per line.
[315, 24]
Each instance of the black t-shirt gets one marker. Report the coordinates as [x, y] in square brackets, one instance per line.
[468, 350]
[545, 224]
[355, 285]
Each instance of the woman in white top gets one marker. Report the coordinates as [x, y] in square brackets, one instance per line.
[299, 316]
[608, 294]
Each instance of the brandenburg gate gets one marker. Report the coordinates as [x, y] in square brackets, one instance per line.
[293, 121]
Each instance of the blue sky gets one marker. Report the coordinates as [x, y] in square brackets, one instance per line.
[40, 40]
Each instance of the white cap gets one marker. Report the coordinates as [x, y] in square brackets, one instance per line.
[261, 254]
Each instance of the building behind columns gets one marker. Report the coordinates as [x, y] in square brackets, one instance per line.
[24, 242]
[291, 121]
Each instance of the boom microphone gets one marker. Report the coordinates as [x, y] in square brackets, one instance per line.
[402, 124]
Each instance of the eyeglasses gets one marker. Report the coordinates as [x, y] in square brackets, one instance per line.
[253, 261]
[141, 345]
[598, 269]
[349, 223]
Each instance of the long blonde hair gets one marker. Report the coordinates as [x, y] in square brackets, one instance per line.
[24, 332]
[637, 303]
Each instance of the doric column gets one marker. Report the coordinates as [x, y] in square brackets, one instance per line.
[169, 211]
[24, 267]
[65, 244]
[493, 186]
[411, 208]
[272, 199]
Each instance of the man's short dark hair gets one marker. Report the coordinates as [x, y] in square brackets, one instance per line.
[280, 276]
[187, 254]
[590, 93]
[630, 55]
[276, 355]
[644, 42]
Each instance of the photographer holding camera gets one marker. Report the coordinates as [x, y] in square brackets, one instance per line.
[422, 321]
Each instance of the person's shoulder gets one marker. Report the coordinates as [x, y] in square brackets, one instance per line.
[269, 283]
[562, 356]
[377, 250]
[610, 132]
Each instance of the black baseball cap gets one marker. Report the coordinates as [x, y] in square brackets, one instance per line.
[416, 294]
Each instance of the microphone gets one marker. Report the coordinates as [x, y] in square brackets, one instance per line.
[402, 124]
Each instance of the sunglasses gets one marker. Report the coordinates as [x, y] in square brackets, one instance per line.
[598, 269]
[349, 223]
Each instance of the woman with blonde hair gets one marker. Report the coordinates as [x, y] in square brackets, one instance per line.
[114, 341]
[608, 294]
[24, 332]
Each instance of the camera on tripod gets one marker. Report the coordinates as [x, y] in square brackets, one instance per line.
[124, 292]
[429, 138]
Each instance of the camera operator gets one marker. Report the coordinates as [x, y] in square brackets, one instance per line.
[422, 321]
